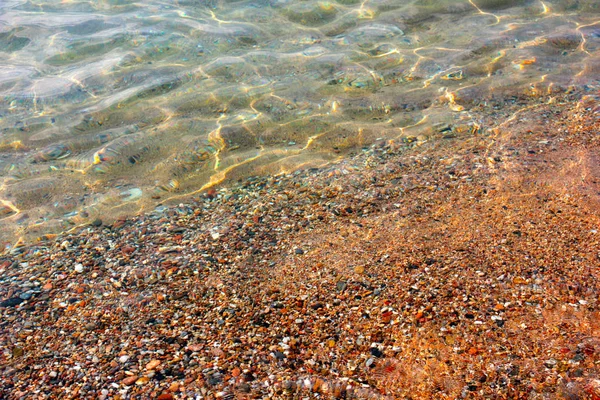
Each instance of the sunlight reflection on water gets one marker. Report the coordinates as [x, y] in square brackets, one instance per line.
[110, 107]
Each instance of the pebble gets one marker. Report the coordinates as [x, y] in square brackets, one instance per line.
[130, 380]
[97, 222]
[376, 352]
[12, 302]
[142, 381]
[17, 351]
[79, 268]
[152, 364]
[123, 359]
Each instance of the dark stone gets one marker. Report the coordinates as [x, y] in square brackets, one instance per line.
[12, 302]
[376, 352]
[244, 388]
[578, 373]
[579, 357]
[299, 251]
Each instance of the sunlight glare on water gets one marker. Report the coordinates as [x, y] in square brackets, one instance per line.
[111, 107]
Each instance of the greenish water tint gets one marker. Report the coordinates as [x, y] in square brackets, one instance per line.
[110, 107]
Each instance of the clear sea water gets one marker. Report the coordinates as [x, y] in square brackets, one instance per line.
[110, 107]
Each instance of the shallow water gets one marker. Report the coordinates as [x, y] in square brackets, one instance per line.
[111, 107]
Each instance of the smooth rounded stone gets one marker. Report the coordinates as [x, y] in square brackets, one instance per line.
[26, 295]
[130, 380]
[359, 269]
[12, 302]
[152, 365]
[97, 222]
[341, 286]
[123, 359]
[79, 268]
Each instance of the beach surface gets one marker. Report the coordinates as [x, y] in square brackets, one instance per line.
[461, 265]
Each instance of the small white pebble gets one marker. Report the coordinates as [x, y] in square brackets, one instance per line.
[123, 359]
[79, 268]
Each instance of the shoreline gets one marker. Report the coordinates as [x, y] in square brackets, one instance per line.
[461, 266]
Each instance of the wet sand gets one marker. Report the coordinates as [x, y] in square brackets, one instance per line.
[463, 266]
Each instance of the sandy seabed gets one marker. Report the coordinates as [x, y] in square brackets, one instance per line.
[457, 266]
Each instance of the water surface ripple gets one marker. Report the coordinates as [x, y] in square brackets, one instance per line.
[110, 107]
